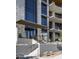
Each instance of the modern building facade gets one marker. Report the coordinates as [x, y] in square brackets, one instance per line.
[39, 19]
[55, 20]
[34, 12]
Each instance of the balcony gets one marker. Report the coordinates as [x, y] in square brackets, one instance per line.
[55, 30]
[55, 8]
[58, 15]
[55, 19]
[58, 26]
[57, 2]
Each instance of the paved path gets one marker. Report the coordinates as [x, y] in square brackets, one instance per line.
[56, 57]
[49, 47]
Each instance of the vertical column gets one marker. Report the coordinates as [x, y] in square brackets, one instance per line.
[39, 19]
[28, 34]
[21, 30]
[53, 36]
[53, 13]
[61, 36]
[20, 14]
[47, 20]
[16, 33]
[53, 25]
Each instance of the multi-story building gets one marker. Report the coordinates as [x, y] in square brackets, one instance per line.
[32, 22]
[55, 20]
[39, 19]
[32, 18]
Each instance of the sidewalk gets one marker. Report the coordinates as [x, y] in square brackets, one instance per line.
[56, 57]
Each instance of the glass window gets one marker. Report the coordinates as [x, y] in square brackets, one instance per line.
[44, 9]
[31, 10]
[44, 21]
[30, 32]
[30, 15]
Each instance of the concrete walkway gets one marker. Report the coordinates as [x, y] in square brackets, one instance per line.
[56, 57]
[49, 47]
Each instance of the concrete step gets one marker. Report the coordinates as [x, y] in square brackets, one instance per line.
[22, 50]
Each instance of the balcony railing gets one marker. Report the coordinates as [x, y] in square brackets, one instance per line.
[58, 28]
[58, 15]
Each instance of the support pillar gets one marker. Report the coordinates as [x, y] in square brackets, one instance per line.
[53, 37]
[48, 21]
[21, 30]
[39, 19]
[53, 26]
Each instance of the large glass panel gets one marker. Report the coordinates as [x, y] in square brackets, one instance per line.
[31, 10]
[30, 15]
[44, 21]
[30, 32]
[44, 9]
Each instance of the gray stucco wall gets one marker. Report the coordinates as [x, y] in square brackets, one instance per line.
[20, 9]
[48, 47]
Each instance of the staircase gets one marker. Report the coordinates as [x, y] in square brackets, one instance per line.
[24, 41]
[22, 50]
